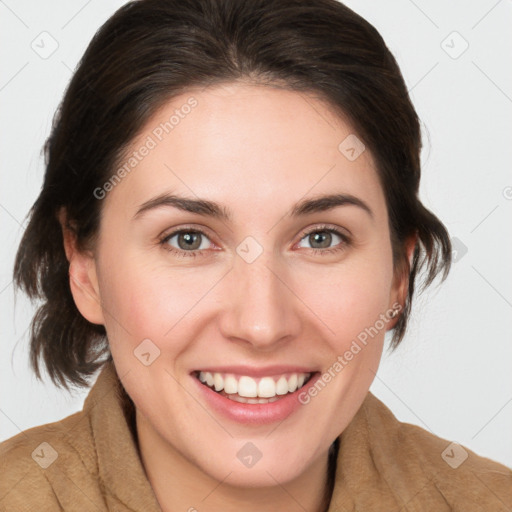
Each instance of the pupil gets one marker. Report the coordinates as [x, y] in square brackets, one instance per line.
[317, 237]
[190, 239]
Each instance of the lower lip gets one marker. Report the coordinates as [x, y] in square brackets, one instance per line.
[254, 414]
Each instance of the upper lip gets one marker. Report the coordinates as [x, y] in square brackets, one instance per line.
[253, 371]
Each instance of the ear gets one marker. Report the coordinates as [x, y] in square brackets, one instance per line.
[400, 287]
[83, 279]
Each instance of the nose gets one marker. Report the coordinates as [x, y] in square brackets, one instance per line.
[261, 308]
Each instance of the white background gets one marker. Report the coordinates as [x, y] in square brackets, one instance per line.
[452, 375]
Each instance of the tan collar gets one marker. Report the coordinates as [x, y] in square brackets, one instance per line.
[120, 467]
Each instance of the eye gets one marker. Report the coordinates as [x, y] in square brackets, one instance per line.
[188, 242]
[321, 238]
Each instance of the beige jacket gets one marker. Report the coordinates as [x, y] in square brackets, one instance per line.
[89, 462]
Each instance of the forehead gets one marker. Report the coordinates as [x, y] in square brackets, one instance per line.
[250, 140]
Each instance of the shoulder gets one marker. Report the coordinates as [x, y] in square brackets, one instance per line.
[448, 469]
[35, 461]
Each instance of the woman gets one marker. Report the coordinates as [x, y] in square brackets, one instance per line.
[202, 151]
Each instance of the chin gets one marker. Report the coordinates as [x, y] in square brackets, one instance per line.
[257, 463]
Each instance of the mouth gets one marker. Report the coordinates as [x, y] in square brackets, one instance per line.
[247, 389]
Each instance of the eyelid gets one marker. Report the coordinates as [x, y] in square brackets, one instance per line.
[327, 227]
[306, 231]
[186, 227]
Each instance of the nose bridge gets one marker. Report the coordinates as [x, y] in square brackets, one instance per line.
[260, 306]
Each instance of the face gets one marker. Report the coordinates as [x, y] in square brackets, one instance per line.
[265, 292]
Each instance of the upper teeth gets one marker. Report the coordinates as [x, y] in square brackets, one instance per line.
[248, 387]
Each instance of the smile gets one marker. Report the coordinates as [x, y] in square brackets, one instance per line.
[252, 390]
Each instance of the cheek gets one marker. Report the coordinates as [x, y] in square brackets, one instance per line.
[144, 299]
[349, 298]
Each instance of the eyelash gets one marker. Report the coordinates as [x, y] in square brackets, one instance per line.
[346, 242]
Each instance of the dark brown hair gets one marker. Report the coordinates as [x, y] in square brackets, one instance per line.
[152, 50]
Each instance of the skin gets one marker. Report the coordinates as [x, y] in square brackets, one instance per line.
[240, 147]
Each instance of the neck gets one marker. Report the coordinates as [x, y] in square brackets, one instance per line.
[194, 490]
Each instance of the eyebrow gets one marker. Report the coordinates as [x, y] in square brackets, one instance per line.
[211, 209]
